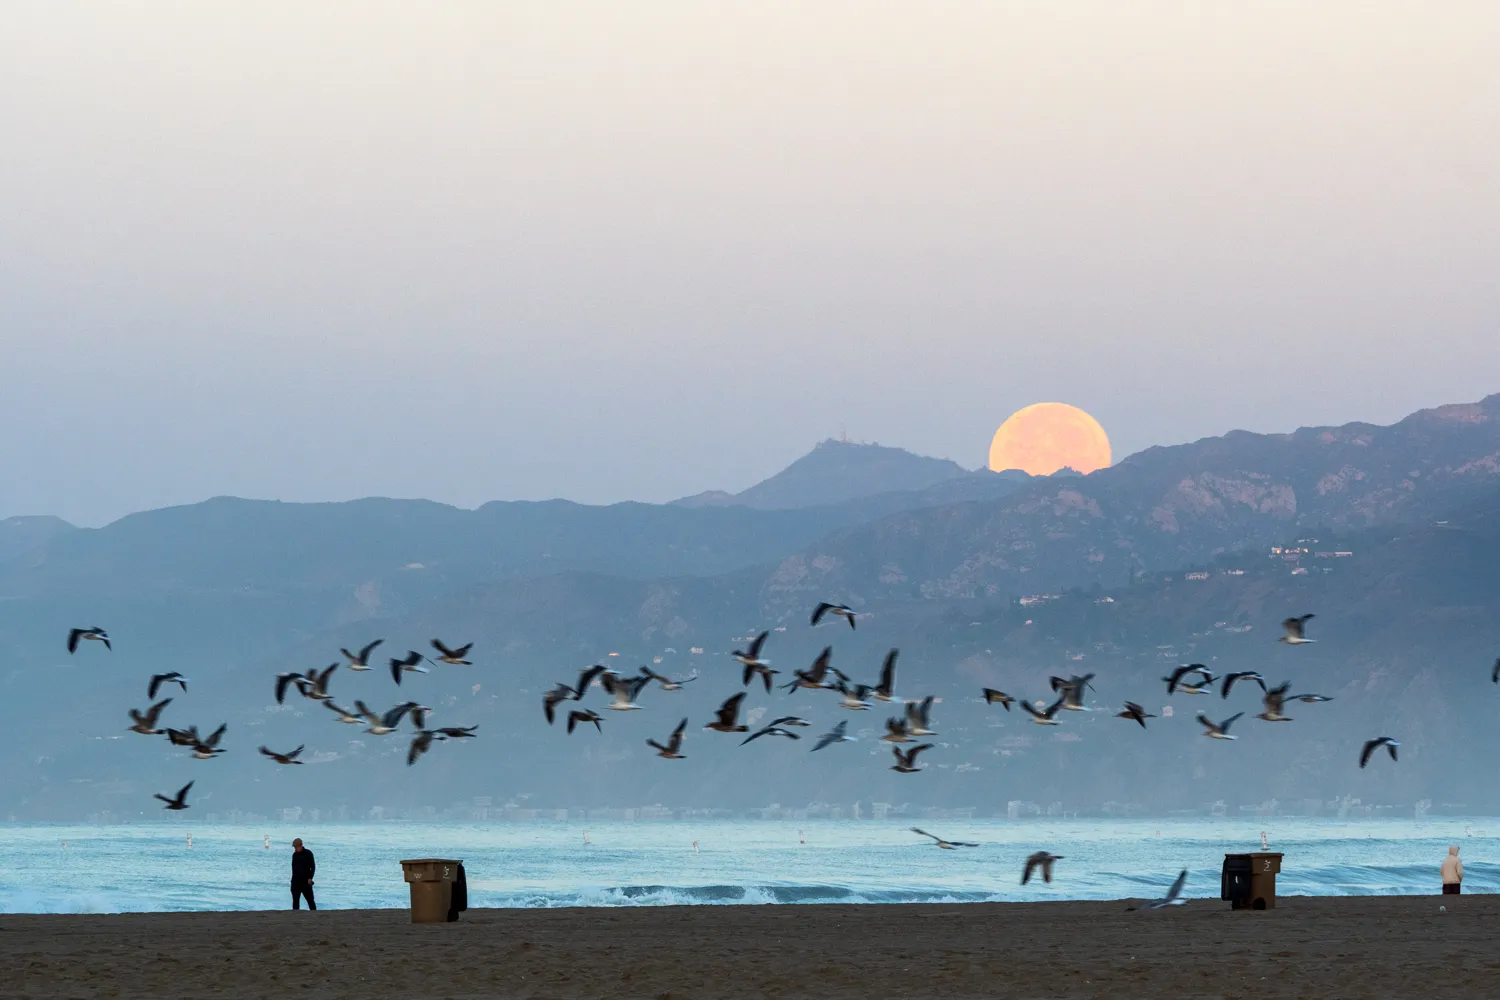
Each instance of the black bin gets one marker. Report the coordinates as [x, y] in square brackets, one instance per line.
[1234, 882]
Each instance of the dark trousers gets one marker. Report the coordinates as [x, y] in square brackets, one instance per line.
[302, 889]
[1450, 888]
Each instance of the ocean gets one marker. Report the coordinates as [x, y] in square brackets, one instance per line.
[150, 867]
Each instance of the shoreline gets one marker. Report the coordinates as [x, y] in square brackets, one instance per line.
[1332, 946]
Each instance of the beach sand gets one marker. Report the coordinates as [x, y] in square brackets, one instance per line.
[1325, 947]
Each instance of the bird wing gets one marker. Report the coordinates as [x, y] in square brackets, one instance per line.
[1030, 709]
[573, 718]
[849, 617]
[925, 833]
[155, 710]
[395, 715]
[1176, 888]
[268, 753]
[1224, 726]
[396, 670]
[1229, 680]
[182, 792]
[912, 756]
[585, 679]
[1392, 748]
[73, 635]
[1052, 708]
[819, 669]
[463, 650]
[1495, 674]
[756, 735]
[437, 644]
[156, 680]
[418, 747]
[1207, 723]
[282, 680]
[749, 672]
[675, 740]
[657, 746]
[213, 737]
[730, 710]
[1031, 864]
[364, 654]
[753, 653]
[822, 609]
[364, 710]
[888, 672]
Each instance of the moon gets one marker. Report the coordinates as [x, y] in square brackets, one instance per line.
[1045, 437]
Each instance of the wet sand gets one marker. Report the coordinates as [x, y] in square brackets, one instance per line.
[1345, 947]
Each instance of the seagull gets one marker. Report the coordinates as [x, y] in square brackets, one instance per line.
[1043, 860]
[1218, 730]
[361, 660]
[854, 697]
[1241, 675]
[586, 715]
[765, 672]
[1172, 898]
[552, 698]
[991, 696]
[1372, 745]
[454, 656]
[887, 685]
[585, 679]
[208, 748]
[411, 661]
[906, 761]
[751, 657]
[178, 801]
[916, 717]
[842, 610]
[771, 730]
[344, 715]
[835, 735]
[383, 725]
[283, 681]
[98, 635]
[317, 683]
[790, 720]
[1176, 680]
[183, 737]
[420, 744]
[157, 680]
[813, 676]
[726, 720]
[946, 845]
[1296, 631]
[667, 683]
[145, 722]
[1044, 718]
[1135, 712]
[672, 750]
[1311, 699]
[456, 732]
[623, 690]
[1274, 700]
[1072, 690]
[290, 757]
[895, 731]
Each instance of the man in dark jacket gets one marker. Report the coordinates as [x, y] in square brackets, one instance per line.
[303, 867]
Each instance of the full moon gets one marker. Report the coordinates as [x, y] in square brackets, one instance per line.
[1046, 437]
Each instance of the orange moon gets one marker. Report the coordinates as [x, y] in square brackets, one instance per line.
[1046, 437]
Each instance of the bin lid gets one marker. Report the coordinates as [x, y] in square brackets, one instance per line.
[432, 861]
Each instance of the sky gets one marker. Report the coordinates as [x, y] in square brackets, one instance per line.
[604, 251]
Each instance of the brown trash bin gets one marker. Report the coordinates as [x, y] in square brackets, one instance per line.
[431, 881]
[1258, 891]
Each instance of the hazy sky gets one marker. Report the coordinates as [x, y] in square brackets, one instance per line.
[489, 250]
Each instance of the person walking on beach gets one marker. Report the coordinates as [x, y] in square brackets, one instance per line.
[303, 867]
[1453, 873]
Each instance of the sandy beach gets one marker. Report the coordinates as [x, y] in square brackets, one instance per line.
[1324, 947]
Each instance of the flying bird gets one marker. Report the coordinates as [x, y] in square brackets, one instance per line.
[343, 715]
[1372, 745]
[1072, 689]
[183, 737]
[585, 716]
[667, 683]
[917, 723]
[623, 690]
[1177, 680]
[454, 656]
[553, 698]
[906, 760]
[1296, 631]
[361, 660]
[157, 680]
[946, 845]
[412, 662]
[726, 720]
[1044, 717]
[178, 801]
[1042, 860]
[1241, 675]
[96, 633]
[384, 725]
[854, 697]
[317, 683]
[1274, 701]
[420, 744]
[1135, 713]
[835, 735]
[456, 732]
[285, 680]
[771, 730]
[884, 690]
[1172, 898]
[290, 757]
[673, 748]
[895, 731]
[991, 696]
[750, 656]
[585, 679]
[1218, 730]
[841, 610]
[815, 676]
[1311, 699]
[145, 722]
[208, 748]
[1495, 673]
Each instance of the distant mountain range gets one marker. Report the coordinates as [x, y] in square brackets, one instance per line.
[979, 579]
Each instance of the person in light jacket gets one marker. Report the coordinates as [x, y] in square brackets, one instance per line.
[1453, 873]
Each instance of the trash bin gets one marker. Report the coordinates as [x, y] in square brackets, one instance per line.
[1248, 881]
[431, 881]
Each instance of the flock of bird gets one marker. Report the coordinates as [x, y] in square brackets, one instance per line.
[312, 685]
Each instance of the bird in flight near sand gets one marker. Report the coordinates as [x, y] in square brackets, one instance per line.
[991, 696]
[1296, 631]
[1047, 716]
[1372, 745]
[1042, 860]
[178, 801]
[1135, 713]
[672, 749]
[361, 660]
[836, 735]
[1172, 898]
[1218, 730]
[96, 633]
[841, 610]
[157, 680]
[946, 845]
[906, 760]
[290, 757]
[145, 722]
[454, 656]
[1241, 675]
[726, 719]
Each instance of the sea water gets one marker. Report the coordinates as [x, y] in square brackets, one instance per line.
[109, 869]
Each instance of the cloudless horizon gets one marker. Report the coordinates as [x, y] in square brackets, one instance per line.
[475, 251]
